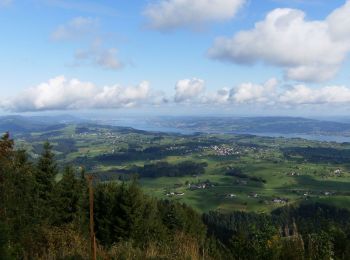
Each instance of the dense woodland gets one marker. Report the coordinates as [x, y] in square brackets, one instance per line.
[45, 217]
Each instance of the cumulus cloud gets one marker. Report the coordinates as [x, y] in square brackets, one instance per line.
[255, 93]
[171, 14]
[303, 95]
[117, 96]
[271, 93]
[75, 29]
[192, 91]
[188, 89]
[60, 93]
[307, 50]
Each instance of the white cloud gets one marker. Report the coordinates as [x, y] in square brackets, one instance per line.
[171, 14]
[117, 96]
[271, 94]
[60, 93]
[188, 89]
[192, 91]
[75, 29]
[307, 50]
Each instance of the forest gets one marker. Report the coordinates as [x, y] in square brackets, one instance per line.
[46, 217]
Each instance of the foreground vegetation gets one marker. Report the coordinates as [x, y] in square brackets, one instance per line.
[45, 217]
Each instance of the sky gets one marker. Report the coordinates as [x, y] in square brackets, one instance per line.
[239, 57]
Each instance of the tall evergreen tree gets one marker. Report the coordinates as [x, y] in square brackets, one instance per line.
[127, 212]
[45, 177]
[66, 200]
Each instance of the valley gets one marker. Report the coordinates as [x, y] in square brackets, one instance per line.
[208, 171]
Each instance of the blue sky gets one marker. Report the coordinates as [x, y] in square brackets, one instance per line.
[144, 63]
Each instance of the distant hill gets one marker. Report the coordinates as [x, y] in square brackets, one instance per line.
[239, 125]
[23, 124]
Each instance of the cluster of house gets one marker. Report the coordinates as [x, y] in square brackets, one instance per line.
[106, 135]
[224, 150]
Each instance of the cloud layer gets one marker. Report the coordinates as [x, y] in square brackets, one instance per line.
[60, 93]
[269, 93]
[307, 50]
[171, 14]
